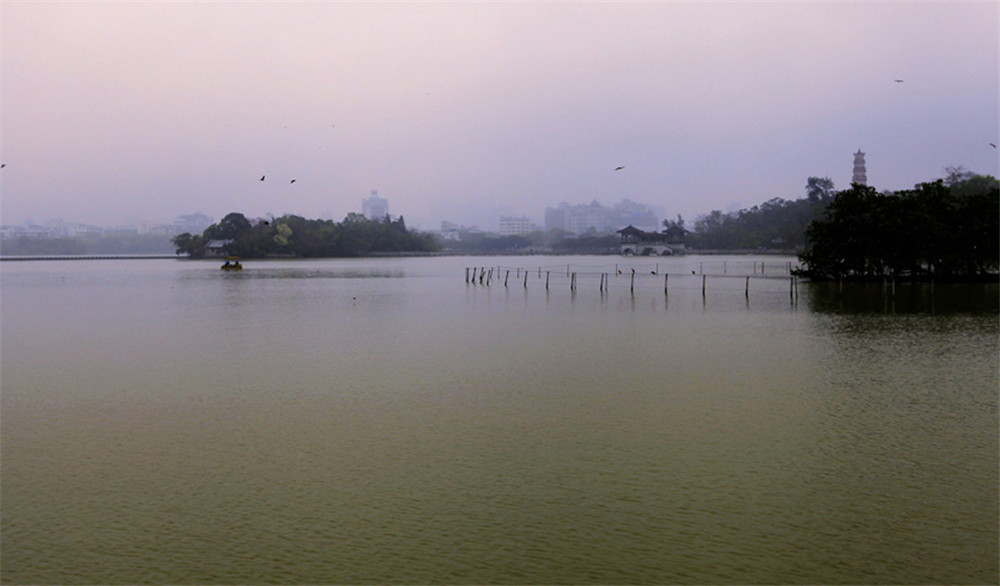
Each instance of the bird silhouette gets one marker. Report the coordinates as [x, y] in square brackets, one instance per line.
[292, 181]
[991, 144]
[692, 272]
[619, 168]
[262, 177]
[2, 165]
[652, 272]
[898, 80]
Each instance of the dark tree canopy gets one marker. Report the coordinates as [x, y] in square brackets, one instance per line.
[935, 231]
[233, 226]
[296, 236]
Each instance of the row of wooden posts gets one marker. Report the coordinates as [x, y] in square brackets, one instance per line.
[486, 274]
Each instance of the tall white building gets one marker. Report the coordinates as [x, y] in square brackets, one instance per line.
[375, 207]
[512, 226]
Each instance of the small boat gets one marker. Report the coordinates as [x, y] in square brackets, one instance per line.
[232, 264]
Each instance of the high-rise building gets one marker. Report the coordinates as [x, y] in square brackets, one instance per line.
[860, 174]
[580, 218]
[375, 207]
[512, 226]
[191, 223]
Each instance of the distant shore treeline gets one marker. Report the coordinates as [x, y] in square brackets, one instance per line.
[88, 244]
[296, 236]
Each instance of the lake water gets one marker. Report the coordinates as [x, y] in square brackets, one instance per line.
[385, 421]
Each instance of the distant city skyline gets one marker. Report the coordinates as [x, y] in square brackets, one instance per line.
[376, 207]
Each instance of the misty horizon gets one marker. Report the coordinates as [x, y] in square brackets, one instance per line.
[115, 113]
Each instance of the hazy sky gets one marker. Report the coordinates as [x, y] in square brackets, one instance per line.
[114, 112]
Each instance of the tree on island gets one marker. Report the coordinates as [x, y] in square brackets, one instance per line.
[296, 236]
[946, 230]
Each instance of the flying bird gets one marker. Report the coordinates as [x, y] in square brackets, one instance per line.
[262, 177]
[292, 181]
[619, 168]
[991, 144]
[898, 80]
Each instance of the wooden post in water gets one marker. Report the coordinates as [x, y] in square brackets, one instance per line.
[482, 274]
[601, 287]
[746, 291]
[525, 279]
[518, 273]
[791, 288]
[505, 277]
[546, 280]
[723, 267]
[703, 285]
[665, 278]
[631, 286]
[466, 274]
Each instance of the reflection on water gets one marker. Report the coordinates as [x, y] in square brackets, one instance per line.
[946, 298]
[315, 273]
[304, 423]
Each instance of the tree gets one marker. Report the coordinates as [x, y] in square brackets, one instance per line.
[678, 223]
[956, 174]
[230, 227]
[819, 189]
[193, 246]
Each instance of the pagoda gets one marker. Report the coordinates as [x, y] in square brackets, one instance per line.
[860, 175]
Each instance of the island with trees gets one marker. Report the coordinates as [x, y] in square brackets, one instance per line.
[946, 230]
[295, 236]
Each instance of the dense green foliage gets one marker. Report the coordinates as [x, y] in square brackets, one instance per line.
[945, 230]
[776, 224]
[299, 237]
